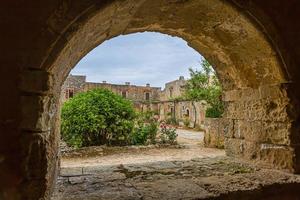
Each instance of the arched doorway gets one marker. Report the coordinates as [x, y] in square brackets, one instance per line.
[259, 121]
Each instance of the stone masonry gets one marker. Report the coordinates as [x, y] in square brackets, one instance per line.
[135, 93]
[146, 98]
[254, 46]
[214, 133]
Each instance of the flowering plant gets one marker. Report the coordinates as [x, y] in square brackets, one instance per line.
[168, 133]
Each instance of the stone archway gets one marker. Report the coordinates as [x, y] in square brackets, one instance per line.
[259, 112]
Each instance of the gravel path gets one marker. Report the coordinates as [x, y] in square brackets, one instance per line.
[191, 148]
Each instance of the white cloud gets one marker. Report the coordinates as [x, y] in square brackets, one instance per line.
[139, 58]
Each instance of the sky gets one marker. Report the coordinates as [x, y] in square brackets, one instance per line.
[139, 58]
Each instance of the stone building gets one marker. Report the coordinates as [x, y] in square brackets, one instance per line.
[143, 97]
[164, 102]
[173, 89]
[72, 86]
[186, 112]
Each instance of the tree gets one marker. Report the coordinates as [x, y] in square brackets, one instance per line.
[97, 117]
[204, 85]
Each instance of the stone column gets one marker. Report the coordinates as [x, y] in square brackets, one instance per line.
[260, 125]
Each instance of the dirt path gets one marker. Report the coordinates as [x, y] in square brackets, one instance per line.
[191, 148]
[190, 138]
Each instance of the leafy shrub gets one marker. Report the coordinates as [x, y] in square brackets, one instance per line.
[97, 117]
[214, 111]
[168, 134]
[145, 130]
[144, 133]
[186, 122]
[146, 117]
[171, 120]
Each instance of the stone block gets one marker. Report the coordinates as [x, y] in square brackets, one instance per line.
[263, 131]
[211, 132]
[250, 150]
[273, 91]
[262, 109]
[277, 156]
[36, 81]
[280, 157]
[234, 147]
[226, 127]
[246, 94]
[38, 113]
[214, 133]
[245, 129]
[275, 110]
[276, 132]
[231, 95]
[233, 111]
[34, 151]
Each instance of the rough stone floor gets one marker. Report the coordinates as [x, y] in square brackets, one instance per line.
[188, 172]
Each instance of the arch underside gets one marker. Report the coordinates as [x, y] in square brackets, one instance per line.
[258, 121]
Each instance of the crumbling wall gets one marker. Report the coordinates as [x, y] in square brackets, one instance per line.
[214, 134]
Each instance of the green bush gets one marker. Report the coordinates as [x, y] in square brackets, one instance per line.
[186, 122]
[171, 120]
[97, 117]
[146, 117]
[214, 111]
[145, 130]
[144, 134]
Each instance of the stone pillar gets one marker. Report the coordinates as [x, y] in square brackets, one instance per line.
[259, 125]
[40, 134]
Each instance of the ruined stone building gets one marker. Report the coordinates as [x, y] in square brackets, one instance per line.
[163, 102]
[143, 97]
[75, 84]
[183, 111]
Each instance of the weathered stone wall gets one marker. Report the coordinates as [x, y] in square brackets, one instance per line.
[74, 83]
[133, 92]
[260, 125]
[182, 111]
[214, 134]
[173, 89]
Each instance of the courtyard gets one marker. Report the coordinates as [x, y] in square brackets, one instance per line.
[184, 171]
